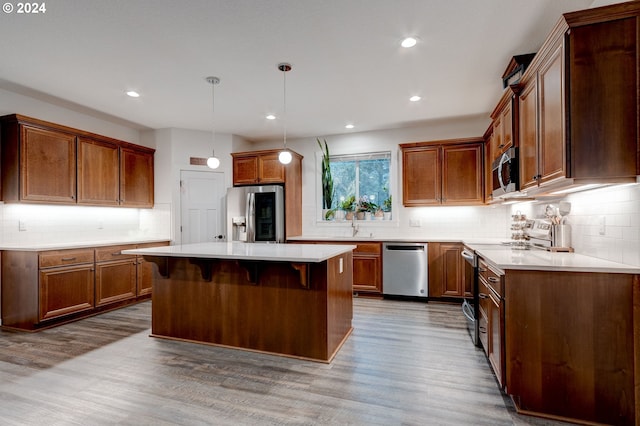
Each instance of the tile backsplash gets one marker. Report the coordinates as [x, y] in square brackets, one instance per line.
[605, 223]
[46, 224]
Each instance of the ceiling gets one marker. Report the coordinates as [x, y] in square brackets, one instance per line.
[347, 64]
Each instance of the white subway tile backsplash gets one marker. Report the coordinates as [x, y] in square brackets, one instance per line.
[615, 209]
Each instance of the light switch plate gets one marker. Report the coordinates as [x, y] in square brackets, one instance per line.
[22, 225]
[414, 223]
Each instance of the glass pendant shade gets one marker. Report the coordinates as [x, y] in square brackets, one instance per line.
[213, 162]
[285, 157]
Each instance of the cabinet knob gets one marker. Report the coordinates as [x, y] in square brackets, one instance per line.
[501, 145]
[535, 177]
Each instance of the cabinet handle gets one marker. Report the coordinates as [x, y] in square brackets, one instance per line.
[482, 270]
[117, 253]
[501, 145]
[482, 296]
[494, 280]
[67, 259]
[482, 329]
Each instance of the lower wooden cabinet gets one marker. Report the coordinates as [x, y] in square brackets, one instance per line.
[65, 290]
[40, 289]
[491, 299]
[446, 271]
[115, 279]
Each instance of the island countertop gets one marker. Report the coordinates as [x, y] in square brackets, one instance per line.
[249, 251]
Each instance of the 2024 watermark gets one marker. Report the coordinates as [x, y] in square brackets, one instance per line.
[24, 8]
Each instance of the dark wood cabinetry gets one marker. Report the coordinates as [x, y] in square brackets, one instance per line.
[490, 296]
[98, 172]
[264, 168]
[51, 164]
[446, 271]
[44, 288]
[504, 122]
[115, 275]
[576, 125]
[443, 172]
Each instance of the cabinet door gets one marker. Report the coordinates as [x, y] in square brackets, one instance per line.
[115, 281]
[462, 174]
[136, 178]
[271, 170]
[98, 172]
[552, 152]
[507, 128]
[528, 135]
[65, 290]
[245, 170]
[495, 333]
[366, 273]
[421, 176]
[47, 166]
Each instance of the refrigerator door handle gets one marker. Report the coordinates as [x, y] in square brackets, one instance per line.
[251, 217]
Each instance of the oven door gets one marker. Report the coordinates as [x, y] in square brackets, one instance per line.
[470, 304]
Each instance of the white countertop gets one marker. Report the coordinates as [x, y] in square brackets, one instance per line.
[364, 238]
[76, 245]
[250, 251]
[505, 257]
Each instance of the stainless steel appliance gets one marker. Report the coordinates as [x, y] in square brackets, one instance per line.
[255, 214]
[505, 173]
[404, 269]
[470, 307]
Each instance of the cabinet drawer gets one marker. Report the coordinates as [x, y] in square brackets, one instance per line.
[106, 254]
[491, 277]
[64, 257]
[369, 248]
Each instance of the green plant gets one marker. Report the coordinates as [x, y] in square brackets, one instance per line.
[364, 205]
[327, 180]
[348, 203]
[386, 204]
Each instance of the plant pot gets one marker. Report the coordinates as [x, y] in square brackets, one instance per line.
[378, 215]
[360, 215]
[340, 214]
[349, 215]
[386, 216]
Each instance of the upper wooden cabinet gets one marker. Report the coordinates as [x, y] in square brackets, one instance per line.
[98, 172]
[51, 164]
[136, 177]
[38, 164]
[260, 167]
[443, 172]
[579, 120]
[264, 168]
[504, 123]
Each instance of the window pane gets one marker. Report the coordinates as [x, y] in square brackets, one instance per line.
[374, 180]
[344, 180]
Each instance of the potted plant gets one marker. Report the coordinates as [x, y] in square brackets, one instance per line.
[327, 180]
[347, 206]
[386, 208]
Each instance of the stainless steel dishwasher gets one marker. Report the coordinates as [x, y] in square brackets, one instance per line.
[404, 269]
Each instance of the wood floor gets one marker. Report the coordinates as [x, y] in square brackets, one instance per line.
[406, 363]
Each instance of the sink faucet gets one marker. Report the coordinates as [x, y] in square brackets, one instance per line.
[354, 226]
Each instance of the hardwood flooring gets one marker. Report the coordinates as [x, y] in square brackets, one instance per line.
[406, 363]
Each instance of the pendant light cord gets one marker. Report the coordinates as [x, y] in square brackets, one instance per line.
[284, 112]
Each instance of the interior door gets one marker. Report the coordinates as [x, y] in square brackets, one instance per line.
[201, 206]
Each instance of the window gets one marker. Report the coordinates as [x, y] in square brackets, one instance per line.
[365, 177]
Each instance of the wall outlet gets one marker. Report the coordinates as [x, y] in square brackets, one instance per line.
[415, 223]
[341, 265]
[602, 227]
[22, 225]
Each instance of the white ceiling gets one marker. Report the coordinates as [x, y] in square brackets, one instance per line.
[347, 63]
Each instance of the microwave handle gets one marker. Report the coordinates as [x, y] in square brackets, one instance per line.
[503, 160]
[251, 217]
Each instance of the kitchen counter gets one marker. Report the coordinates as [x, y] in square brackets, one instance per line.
[505, 257]
[288, 299]
[81, 244]
[374, 238]
[246, 251]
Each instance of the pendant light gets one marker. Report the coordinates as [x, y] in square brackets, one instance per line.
[285, 156]
[213, 162]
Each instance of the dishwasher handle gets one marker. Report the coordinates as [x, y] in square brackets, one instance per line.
[404, 248]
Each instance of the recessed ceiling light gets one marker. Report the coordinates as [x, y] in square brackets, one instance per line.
[409, 42]
[133, 94]
[349, 126]
[270, 117]
[415, 98]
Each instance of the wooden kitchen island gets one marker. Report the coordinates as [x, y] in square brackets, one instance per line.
[288, 299]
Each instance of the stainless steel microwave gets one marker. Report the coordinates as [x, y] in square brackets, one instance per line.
[505, 173]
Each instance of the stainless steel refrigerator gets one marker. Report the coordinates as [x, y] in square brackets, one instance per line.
[255, 214]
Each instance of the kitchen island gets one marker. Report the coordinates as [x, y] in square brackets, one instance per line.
[287, 299]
